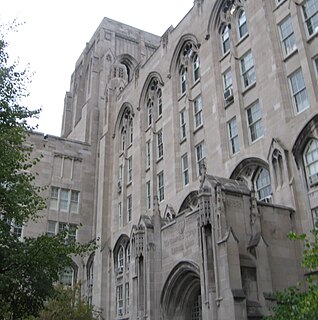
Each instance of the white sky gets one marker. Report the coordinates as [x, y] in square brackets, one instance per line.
[55, 34]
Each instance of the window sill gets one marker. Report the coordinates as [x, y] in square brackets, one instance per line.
[311, 37]
[303, 110]
[228, 103]
[254, 141]
[129, 184]
[159, 118]
[198, 128]
[248, 88]
[225, 55]
[242, 39]
[147, 169]
[232, 155]
[290, 54]
[279, 5]
[158, 160]
[183, 140]
[195, 83]
[181, 95]
[148, 128]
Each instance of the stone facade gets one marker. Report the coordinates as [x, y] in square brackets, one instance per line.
[190, 157]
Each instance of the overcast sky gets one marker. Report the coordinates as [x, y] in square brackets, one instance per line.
[55, 34]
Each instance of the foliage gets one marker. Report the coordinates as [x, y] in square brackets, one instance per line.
[67, 304]
[28, 269]
[294, 303]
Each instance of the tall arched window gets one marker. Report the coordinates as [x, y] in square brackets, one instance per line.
[182, 78]
[241, 23]
[225, 39]
[122, 259]
[262, 184]
[311, 162]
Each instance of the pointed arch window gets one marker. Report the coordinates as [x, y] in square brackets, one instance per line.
[311, 162]
[263, 185]
[225, 39]
[241, 23]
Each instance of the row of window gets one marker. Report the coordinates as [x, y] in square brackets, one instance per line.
[64, 200]
[54, 227]
[310, 16]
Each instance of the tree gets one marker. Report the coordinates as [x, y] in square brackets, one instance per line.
[67, 304]
[294, 303]
[28, 269]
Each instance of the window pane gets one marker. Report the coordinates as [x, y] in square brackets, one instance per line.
[74, 201]
[254, 118]
[54, 198]
[64, 199]
[287, 36]
[299, 92]
[263, 184]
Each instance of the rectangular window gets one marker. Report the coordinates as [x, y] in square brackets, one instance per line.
[227, 85]
[64, 200]
[316, 66]
[233, 136]
[185, 169]
[148, 195]
[62, 226]
[287, 36]
[182, 78]
[298, 91]
[197, 112]
[51, 228]
[16, 229]
[160, 184]
[199, 156]
[314, 213]
[119, 300]
[127, 296]
[148, 150]
[247, 70]
[130, 131]
[254, 120]
[129, 170]
[54, 198]
[129, 208]
[119, 213]
[196, 68]
[159, 102]
[149, 113]
[74, 201]
[159, 145]
[120, 173]
[64, 194]
[182, 118]
[310, 11]
[72, 230]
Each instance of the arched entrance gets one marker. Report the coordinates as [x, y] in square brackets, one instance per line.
[181, 295]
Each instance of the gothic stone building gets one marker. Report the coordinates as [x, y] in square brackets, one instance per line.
[190, 157]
